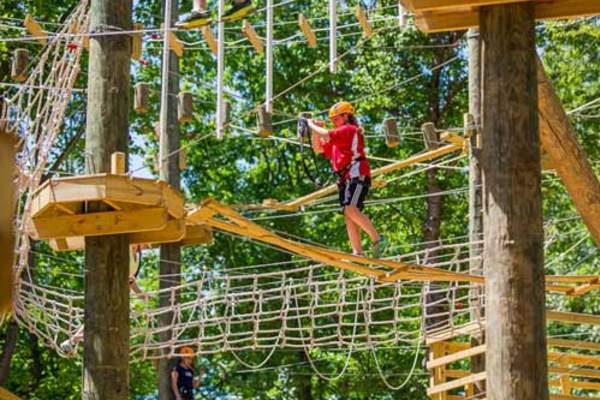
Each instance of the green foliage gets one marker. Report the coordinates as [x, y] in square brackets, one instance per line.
[390, 75]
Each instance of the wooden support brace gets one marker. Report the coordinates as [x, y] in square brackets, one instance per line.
[252, 36]
[6, 395]
[568, 158]
[141, 101]
[264, 125]
[307, 30]
[185, 105]
[136, 42]
[118, 162]
[363, 20]
[210, 40]
[20, 63]
[390, 130]
[431, 137]
[35, 29]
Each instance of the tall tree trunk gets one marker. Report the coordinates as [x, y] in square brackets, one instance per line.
[106, 317]
[513, 231]
[170, 254]
[475, 198]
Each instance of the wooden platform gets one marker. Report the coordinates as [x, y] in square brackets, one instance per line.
[451, 15]
[149, 211]
[573, 364]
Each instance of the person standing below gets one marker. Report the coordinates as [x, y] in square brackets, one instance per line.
[183, 381]
[200, 16]
[344, 146]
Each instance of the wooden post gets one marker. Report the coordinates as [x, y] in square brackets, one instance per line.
[19, 65]
[7, 226]
[106, 335]
[118, 161]
[475, 197]
[390, 130]
[513, 231]
[185, 112]
[170, 253]
[136, 42]
[431, 137]
[141, 99]
[566, 155]
[265, 128]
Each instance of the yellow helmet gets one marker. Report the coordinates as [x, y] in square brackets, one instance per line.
[343, 107]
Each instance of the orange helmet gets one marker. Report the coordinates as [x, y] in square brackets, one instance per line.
[187, 351]
[343, 107]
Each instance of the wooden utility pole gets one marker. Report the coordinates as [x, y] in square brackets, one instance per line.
[475, 194]
[513, 232]
[106, 340]
[170, 253]
[7, 216]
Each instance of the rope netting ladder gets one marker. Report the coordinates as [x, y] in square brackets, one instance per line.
[35, 113]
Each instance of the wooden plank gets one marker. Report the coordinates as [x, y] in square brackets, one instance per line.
[572, 165]
[174, 231]
[450, 358]
[466, 329]
[574, 359]
[118, 162]
[572, 278]
[429, 21]
[457, 373]
[457, 383]
[210, 40]
[175, 44]
[573, 318]
[35, 29]
[252, 37]
[573, 344]
[101, 223]
[69, 208]
[581, 372]
[136, 42]
[307, 30]
[566, 397]
[363, 20]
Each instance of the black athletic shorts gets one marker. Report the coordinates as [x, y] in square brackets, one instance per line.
[354, 191]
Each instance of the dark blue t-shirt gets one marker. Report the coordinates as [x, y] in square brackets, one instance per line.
[185, 381]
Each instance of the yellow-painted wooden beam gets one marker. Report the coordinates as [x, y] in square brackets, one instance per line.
[210, 40]
[35, 29]
[6, 395]
[252, 36]
[307, 31]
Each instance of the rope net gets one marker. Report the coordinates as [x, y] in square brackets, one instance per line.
[304, 307]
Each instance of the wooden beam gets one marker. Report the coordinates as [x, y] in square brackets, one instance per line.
[419, 158]
[573, 318]
[457, 383]
[450, 358]
[581, 372]
[307, 30]
[571, 163]
[136, 42]
[101, 223]
[363, 20]
[459, 19]
[209, 38]
[35, 29]
[252, 37]
[573, 344]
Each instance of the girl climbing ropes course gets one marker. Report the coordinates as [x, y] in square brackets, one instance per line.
[200, 16]
[344, 146]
